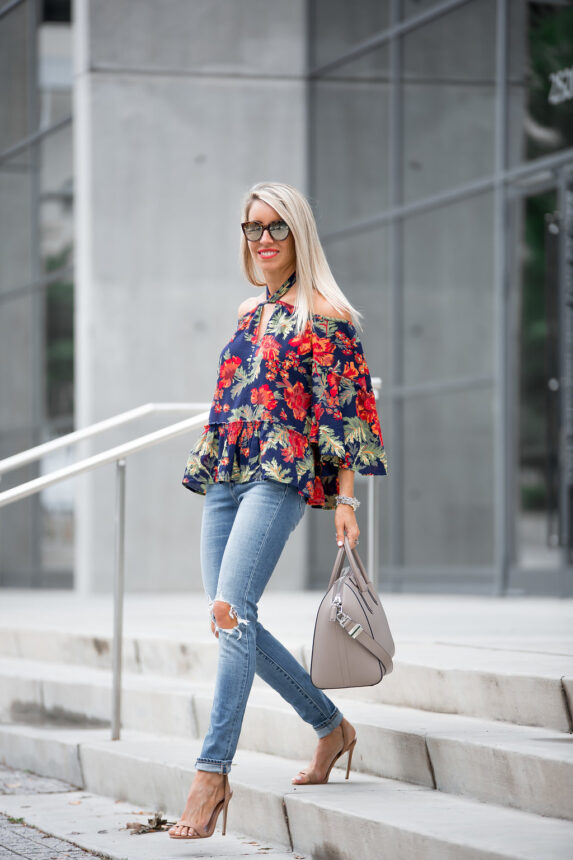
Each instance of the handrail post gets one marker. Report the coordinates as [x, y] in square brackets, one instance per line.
[373, 531]
[373, 520]
[118, 598]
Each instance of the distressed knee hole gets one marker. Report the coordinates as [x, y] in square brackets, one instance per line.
[225, 616]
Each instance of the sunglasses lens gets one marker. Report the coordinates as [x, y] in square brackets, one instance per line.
[279, 230]
[253, 231]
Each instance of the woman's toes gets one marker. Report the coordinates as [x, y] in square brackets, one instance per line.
[182, 830]
[300, 778]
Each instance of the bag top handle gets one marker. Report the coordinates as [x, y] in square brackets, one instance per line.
[356, 566]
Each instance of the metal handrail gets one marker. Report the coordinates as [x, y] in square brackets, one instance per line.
[32, 454]
[119, 454]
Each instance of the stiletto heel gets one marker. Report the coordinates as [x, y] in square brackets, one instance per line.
[350, 751]
[346, 747]
[223, 805]
[225, 817]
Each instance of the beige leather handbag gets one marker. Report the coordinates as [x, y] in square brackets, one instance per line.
[352, 644]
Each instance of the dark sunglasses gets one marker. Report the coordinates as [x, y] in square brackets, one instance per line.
[254, 230]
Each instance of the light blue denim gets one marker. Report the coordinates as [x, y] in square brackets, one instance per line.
[244, 529]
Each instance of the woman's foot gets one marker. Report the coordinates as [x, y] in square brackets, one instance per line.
[328, 751]
[206, 792]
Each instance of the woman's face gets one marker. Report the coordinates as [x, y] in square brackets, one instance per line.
[275, 258]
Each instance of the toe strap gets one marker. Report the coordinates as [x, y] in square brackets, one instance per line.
[189, 827]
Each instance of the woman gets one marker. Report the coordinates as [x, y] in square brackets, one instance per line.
[293, 417]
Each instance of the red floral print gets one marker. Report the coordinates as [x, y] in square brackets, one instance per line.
[270, 348]
[301, 409]
[366, 405]
[302, 342]
[263, 396]
[298, 400]
[323, 350]
[227, 371]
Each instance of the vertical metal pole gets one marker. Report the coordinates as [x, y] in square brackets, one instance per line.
[373, 523]
[395, 277]
[118, 598]
[565, 318]
[37, 298]
[502, 447]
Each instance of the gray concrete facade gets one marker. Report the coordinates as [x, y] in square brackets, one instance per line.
[425, 137]
[20, 310]
[178, 111]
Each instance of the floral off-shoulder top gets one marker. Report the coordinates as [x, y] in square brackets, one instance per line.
[293, 408]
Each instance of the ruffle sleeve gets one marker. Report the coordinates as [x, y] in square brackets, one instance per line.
[345, 428]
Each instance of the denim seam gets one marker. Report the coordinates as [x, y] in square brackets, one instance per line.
[295, 683]
[262, 543]
[241, 697]
[252, 573]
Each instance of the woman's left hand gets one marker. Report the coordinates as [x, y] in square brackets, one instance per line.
[345, 524]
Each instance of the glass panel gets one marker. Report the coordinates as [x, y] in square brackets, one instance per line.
[56, 246]
[336, 26]
[448, 98]
[535, 274]
[56, 194]
[349, 123]
[55, 73]
[541, 80]
[448, 479]
[448, 291]
[360, 265]
[17, 214]
[20, 410]
[36, 323]
[16, 55]
[410, 8]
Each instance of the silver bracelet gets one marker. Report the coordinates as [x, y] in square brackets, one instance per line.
[348, 500]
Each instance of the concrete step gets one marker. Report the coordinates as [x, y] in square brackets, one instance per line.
[367, 816]
[518, 686]
[523, 767]
[98, 824]
[522, 687]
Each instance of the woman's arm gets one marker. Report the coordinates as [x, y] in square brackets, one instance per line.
[344, 516]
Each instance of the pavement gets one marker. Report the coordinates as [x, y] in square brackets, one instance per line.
[47, 819]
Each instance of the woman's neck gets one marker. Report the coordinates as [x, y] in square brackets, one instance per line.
[275, 280]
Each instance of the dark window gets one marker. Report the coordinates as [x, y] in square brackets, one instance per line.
[57, 10]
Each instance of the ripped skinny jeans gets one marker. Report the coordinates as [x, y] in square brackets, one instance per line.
[244, 529]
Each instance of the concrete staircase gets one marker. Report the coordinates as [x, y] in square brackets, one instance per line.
[464, 751]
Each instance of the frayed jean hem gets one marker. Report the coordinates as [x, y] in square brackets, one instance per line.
[213, 766]
[332, 723]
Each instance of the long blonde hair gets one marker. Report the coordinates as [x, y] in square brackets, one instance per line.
[312, 269]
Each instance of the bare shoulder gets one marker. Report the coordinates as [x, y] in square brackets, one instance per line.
[247, 306]
[322, 306]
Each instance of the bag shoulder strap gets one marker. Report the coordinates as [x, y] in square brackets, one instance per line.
[357, 632]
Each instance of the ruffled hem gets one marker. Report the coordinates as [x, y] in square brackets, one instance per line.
[242, 451]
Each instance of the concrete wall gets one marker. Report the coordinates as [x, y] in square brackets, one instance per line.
[21, 363]
[179, 108]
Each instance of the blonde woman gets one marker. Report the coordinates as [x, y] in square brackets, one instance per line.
[293, 418]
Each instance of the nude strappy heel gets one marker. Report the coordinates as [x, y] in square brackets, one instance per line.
[221, 805]
[347, 746]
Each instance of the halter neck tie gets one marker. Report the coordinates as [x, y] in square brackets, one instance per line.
[278, 294]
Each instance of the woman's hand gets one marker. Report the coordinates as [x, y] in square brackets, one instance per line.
[345, 524]
[344, 516]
